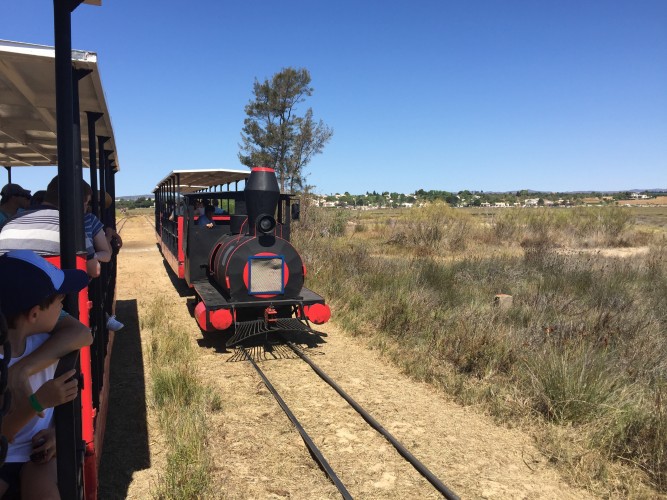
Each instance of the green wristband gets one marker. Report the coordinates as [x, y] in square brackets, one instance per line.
[35, 404]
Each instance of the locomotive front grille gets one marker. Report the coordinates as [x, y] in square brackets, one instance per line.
[266, 275]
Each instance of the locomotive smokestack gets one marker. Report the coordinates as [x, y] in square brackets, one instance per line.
[261, 198]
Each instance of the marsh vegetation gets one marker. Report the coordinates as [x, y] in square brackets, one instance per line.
[580, 354]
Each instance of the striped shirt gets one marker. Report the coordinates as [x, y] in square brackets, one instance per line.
[37, 230]
[92, 226]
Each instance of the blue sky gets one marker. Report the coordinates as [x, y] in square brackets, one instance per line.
[489, 95]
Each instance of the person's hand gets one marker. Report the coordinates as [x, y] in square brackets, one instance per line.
[58, 391]
[43, 446]
[112, 234]
[210, 225]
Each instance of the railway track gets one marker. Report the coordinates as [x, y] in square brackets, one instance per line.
[314, 450]
[120, 223]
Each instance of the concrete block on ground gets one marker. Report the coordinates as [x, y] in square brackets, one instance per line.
[503, 300]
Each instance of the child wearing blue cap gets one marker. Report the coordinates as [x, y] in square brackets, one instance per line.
[31, 294]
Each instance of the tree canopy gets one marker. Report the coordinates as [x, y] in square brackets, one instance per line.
[274, 135]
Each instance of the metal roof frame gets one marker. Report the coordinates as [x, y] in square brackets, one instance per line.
[28, 123]
[192, 181]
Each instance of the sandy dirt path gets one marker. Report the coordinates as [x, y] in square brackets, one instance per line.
[258, 454]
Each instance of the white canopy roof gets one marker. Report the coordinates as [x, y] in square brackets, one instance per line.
[28, 104]
[191, 181]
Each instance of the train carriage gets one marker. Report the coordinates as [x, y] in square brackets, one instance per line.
[246, 276]
[35, 131]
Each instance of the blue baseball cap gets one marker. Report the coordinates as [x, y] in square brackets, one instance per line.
[26, 279]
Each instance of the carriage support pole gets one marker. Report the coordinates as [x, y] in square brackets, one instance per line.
[67, 416]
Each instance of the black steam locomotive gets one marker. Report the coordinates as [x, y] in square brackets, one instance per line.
[247, 277]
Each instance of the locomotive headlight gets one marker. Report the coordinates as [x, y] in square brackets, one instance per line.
[265, 223]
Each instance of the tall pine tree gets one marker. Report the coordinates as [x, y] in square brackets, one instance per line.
[274, 135]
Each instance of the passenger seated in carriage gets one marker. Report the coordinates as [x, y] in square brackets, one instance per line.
[31, 295]
[97, 245]
[218, 210]
[207, 218]
[199, 208]
[180, 210]
[13, 199]
[113, 238]
[37, 198]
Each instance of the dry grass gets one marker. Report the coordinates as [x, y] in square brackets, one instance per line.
[182, 403]
[580, 353]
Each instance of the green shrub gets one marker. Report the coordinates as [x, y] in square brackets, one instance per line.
[323, 223]
[433, 227]
[575, 385]
[176, 385]
[581, 226]
[188, 464]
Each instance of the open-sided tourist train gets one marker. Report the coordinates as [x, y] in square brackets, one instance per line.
[35, 131]
[247, 277]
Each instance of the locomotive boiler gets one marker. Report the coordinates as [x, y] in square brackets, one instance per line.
[247, 277]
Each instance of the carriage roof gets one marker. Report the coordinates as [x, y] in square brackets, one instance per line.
[28, 105]
[192, 181]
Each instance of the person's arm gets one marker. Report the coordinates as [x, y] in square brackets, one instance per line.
[102, 247]
[68, 335]
[93, 268]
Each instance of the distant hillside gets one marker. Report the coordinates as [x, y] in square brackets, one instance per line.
[136, 197]
[593, 191]
[151, 196]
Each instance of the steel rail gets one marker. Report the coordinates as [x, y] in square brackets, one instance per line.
[314, 451]
[420, 467]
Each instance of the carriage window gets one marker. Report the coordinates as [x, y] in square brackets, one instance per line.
[296, 211]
